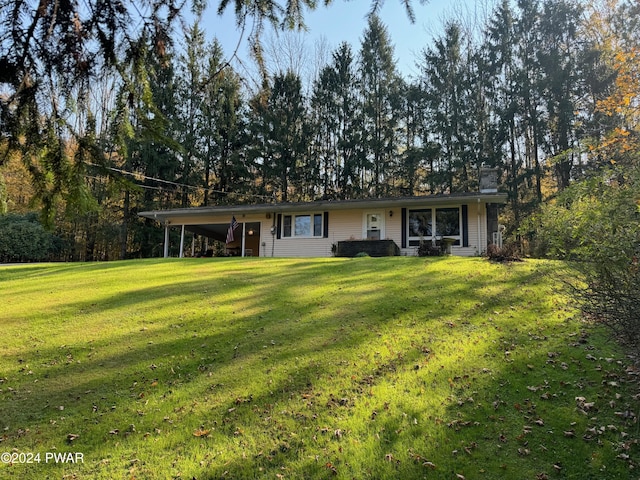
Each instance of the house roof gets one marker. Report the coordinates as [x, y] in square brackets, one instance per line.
[325, 205]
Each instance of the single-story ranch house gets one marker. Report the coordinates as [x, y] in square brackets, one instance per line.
[465, 223]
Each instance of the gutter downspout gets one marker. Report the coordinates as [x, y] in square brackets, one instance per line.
[273, 235]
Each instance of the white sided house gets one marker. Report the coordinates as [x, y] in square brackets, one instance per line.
[464, 224]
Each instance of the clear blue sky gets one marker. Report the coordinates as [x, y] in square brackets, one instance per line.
[346, 21]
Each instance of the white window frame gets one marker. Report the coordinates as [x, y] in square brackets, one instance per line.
[312, 233]
[413, 240]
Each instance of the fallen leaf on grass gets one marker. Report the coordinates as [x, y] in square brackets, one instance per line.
[583, 405]
[201, 433]
[626, 414]
[470, 447]
[330, 466]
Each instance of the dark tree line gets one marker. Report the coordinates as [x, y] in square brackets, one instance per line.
[178, 127]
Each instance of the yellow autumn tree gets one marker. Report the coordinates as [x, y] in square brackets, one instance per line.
[617, 42]
[18, 192]
[624, 105]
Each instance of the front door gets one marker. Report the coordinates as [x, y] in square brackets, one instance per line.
[374, 223]
[252, 239]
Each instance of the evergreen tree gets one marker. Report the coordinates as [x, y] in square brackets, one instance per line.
[503, 67]
[191, 135]
[285, 133]
[226, 114]
[527, 31]
[379, 83]
[146, 127]
[213, 126]
[443, 71]
[324, 128]
[349, 136]
[335, 113]
[412, 125]
[558, 56]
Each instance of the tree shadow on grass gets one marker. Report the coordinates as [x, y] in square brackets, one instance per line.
[213, 362]
[523, 418]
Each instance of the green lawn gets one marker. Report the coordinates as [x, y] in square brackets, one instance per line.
[394, 368]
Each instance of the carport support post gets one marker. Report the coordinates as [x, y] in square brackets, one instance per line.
[166, 240]
[243, 224]
[182, 242]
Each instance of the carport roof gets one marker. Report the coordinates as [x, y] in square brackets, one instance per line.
[165, 216]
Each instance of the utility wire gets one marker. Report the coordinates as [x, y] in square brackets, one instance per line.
[147, 187]
[176, 184]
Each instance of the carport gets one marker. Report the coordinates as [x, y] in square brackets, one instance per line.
[214, 222]
[246, 237]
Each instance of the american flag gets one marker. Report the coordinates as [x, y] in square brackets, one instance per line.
[234, 224]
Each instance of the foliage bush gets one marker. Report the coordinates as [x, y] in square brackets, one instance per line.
[612, 297]
[428, 249]
[596, 223]
[510, 252]
[24, 239]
